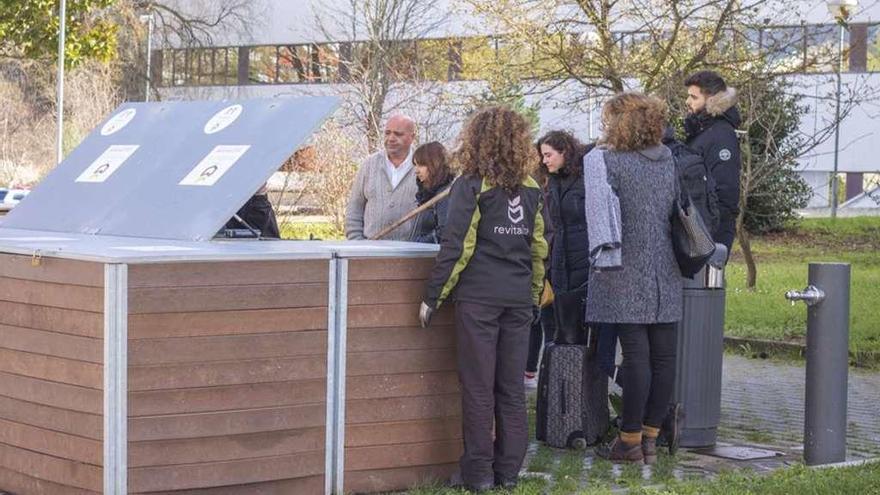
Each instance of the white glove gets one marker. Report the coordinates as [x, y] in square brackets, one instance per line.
[425, 313]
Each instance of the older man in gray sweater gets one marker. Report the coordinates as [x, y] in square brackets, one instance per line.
[384, 189]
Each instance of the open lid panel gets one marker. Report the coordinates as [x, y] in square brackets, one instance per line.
[170, 170]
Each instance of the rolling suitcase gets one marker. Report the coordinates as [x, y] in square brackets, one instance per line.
[572, 405]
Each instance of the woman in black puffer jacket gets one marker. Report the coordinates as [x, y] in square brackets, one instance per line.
[562, 158]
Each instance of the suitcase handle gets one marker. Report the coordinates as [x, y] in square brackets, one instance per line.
[562, 395]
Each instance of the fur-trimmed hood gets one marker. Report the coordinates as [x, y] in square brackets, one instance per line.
[721, 102]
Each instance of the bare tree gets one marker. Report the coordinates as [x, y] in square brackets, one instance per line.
[379, 59]
[608, 46]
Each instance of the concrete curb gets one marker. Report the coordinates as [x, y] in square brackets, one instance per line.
[766, 348]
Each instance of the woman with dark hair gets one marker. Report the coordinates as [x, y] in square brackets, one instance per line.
[433, 175]
[631, 195]
[562, 156]
[561, 162]
[491, 262]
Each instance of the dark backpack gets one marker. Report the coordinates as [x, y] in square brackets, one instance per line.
[697, 182]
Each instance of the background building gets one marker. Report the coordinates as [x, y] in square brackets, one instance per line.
[289, 52]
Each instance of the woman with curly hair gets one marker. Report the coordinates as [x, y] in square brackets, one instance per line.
[642, 297]
[491, 262]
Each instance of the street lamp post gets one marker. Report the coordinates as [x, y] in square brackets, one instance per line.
[841, 11]
[148, 20]
[59, 137]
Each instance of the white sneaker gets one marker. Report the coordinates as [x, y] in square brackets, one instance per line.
[530, 382]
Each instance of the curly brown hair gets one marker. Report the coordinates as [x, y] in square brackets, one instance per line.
[633, 121]
[496, 144]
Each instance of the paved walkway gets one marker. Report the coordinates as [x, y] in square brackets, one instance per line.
[762, 401]
[762, 407]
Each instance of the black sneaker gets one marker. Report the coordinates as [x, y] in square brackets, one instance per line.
[456, 481]
[506, 483]
[670, 432]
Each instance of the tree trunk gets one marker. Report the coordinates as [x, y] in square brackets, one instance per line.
[746, 244]
[741, 232]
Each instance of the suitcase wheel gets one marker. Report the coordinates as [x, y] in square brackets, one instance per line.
[579, 443]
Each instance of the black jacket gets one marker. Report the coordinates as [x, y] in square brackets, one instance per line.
[569, 251]
[258, 213]
[493, 248]
[428, 225]
[711, 133]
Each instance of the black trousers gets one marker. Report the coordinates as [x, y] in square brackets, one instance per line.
[648, 371]
[492, 349]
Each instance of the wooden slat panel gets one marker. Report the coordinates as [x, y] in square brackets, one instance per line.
[51, 368]
[390, 480]
[226, 298]
[192, 476]
[172, 376]
[53, 394]
[395, 456]
[160, 325]
[405, 385]
[226, 347]
[228, 273]
[396, 362]
[225, 423]
[388, 339]
[55, 270]
[52, 344]
[51, 443]
[386, 292]
[306, 485]
[86, 324]
[251, 395]
[19, 484]
[394, 315]
[215, 449]
[45, 467]
[390, 269]
[431, 430]
[54, 295]
[62, 420]
[401, 409]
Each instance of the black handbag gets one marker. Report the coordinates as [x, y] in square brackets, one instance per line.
[691, 240]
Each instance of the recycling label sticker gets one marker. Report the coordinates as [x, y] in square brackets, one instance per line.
[214, 165]
[108, 162]
[118, 121]
[223, 119]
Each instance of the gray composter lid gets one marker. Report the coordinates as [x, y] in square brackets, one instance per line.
[170, 170]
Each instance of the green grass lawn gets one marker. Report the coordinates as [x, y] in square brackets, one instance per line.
[782, 261]
[861, 480]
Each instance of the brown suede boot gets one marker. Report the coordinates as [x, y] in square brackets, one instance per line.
[649, 444]
[620, 451]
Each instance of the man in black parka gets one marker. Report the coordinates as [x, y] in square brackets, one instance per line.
[710, 128]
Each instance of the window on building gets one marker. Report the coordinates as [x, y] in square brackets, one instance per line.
[328, 62]
[474, 54]
[439, 60]
[783, 48]
[822, 48]
[179, 67]
[263, 66]
[874, 48]
[167, 64]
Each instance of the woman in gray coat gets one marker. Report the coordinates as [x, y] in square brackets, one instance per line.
[639, 287]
